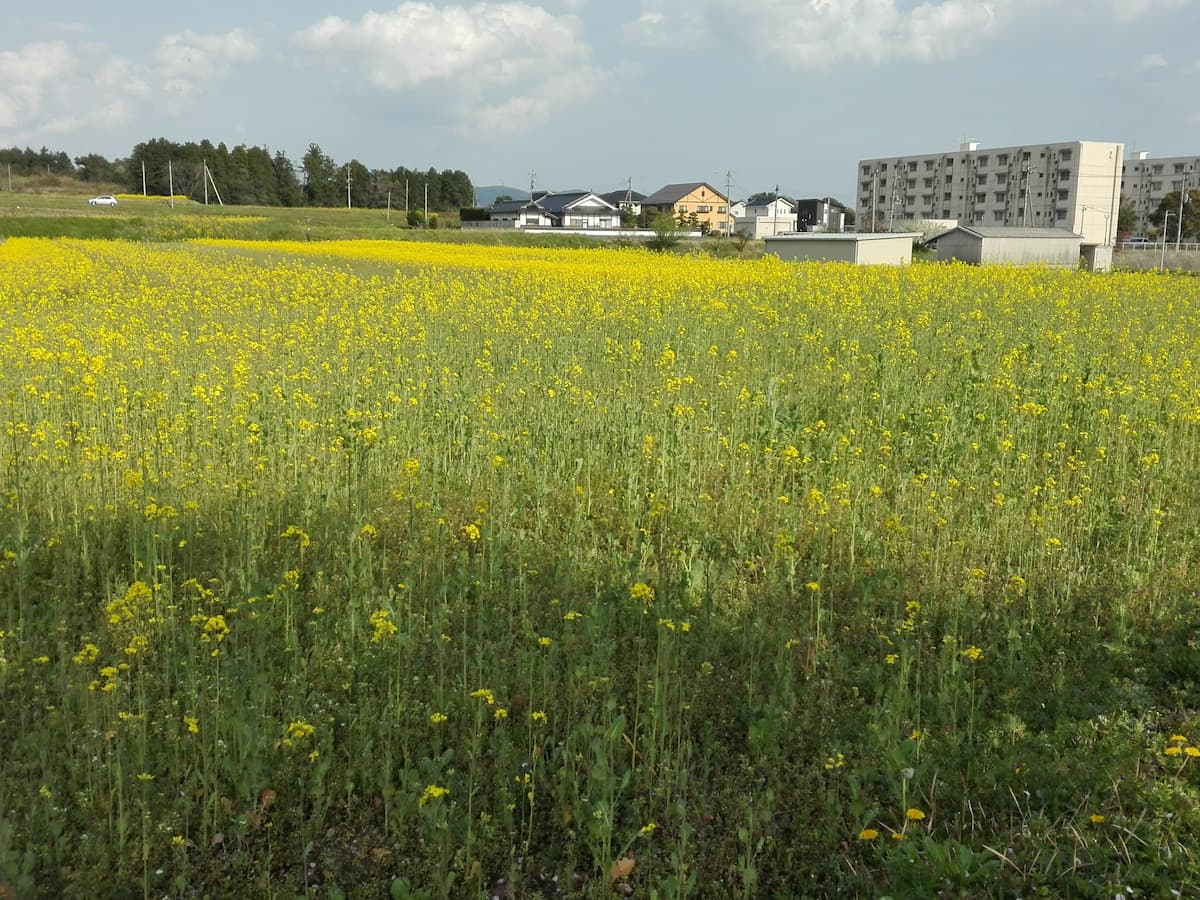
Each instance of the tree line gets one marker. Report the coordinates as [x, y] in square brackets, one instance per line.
[253, 176]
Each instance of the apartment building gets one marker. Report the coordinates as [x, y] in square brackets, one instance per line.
[1146, 181]
[1073, 185]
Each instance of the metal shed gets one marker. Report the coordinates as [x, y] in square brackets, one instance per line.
[861, 249]
[1010, 246]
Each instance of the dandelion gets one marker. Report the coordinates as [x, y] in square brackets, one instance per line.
[1096, 818]
[1173, 750]
[1192, 751]
[544, 642]
[500, 713]
[913, 814]
[868, 834]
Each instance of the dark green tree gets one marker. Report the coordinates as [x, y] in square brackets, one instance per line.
[1168, 212]
[287, 185]
[320, 178]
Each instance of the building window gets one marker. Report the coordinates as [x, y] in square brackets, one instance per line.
[866, 185]
[1061, 215]
[927, 199]
[883, 167]
[981, 198]
[1178, 168]
[982, 179]
[998, 216]
[1002, 159]
[703, 209]
[1156, 185]
[721, 209]
[1001, 196]
[883, 182]
[928, 182]
[683, 207]
[979, 217]
[910, 200]
[983, 160]
[1025, 156]
[1064, 174]
[1062, 195]
[946, 196]
[949, 179]
[1064, 155]
[1158, 170]
[866, 170]
[912, 167]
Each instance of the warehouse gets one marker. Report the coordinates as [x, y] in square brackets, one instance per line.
[861, 249]
[981, 245]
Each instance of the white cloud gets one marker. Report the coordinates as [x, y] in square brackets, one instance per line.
[1152, 61]
[822, 33]
[492, 61]
[184, 61]
[61, 86]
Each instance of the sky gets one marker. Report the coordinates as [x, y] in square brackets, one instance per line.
[595, 94]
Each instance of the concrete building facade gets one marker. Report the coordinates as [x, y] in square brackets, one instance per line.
[1073, 185]
[1145, 181]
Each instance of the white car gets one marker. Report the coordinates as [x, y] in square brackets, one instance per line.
[103, 200]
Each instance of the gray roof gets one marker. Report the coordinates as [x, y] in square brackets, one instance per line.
[559, 201]
[673, 193]
[1003, 231]
[845, 236]
[627, 196]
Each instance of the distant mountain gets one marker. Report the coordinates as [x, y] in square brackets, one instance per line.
[486, 194]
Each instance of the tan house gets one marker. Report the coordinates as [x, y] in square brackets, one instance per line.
[695, 198]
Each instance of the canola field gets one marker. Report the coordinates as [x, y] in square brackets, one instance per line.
[420, 570]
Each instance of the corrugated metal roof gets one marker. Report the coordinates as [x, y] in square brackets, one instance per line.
[1006, 231]
[847, 236]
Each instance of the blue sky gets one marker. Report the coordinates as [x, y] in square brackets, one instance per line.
[590, 93]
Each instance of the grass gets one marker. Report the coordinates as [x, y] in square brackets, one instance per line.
[428, 570]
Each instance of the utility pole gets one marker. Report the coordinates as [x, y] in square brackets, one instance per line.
[1182, 200]
[406, 196]
[143, 178]
[347, 185]
[171, 183]
[427, 203]
[205, 180]
[1162, 256]
[10, 177]
[532, 182]
[874, 197]
[389, 208]
[729, 202]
